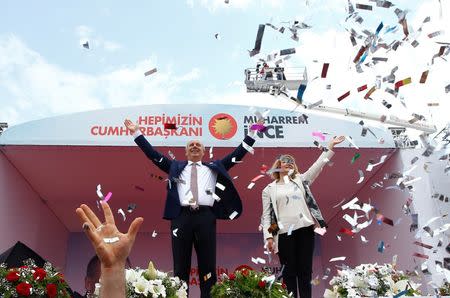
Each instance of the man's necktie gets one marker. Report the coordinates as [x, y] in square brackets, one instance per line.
[194, 185]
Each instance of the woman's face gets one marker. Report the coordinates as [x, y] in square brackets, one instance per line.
[286, 164]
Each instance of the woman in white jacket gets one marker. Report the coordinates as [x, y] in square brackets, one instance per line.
[289, 215]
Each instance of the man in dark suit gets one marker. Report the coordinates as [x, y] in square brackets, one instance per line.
[197, 194]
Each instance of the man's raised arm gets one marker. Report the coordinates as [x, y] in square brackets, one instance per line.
[160, 160]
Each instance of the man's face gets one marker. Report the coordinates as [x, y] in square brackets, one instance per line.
[195, 150]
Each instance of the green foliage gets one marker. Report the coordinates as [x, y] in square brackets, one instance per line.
[248, 283]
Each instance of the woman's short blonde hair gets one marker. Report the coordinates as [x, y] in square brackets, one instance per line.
[277, 164]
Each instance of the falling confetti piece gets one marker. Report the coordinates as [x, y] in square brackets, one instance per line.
[343, 96]
[151, 71]
[108, 196]
[355, 157]
[325, 70]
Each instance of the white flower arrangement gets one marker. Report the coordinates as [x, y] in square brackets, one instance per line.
[371, 280]
[151, 283]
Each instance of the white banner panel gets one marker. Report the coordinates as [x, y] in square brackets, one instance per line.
[215, 125]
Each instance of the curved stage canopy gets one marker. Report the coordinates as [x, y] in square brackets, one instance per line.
[64, 158]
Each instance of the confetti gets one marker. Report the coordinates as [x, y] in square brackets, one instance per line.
[318, 145]
[350, 204]
[139, 188]
[325, 70]
[434, 34]
[363, 239]
[258, 260]
[362, 88]
[111, 240]
[386, 104]
[346, 231]
[151, 71]
[171, 154]
[253, 181]
[99, 192]
[258, 127]
[301, 90]
[319, 135]
[316, 104]
[315, 281]
[108, 196]
[120, 211]
[359, 54]
[343, 96]
[363, 6]
[355, 157]
[423, 77]
[154, 234]
[423, 245]
[174, 232]
[404, 292]
[349, 139]
[258, 41]
[370, 92]
[370, 166]
[131, 207]
[156, 176]
[170, 126]
[234, 160]
[217, 36]
[287, 52]
[337, 259]
[207, 276]
[211, 155]
[233, 215]
[402, 83]
[381, 247]
[220, 186]
[416, 254]
[86, 45]
[361, 177]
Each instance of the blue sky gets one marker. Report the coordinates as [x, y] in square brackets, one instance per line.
[44, 70]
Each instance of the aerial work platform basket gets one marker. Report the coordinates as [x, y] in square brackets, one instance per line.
[262, 79]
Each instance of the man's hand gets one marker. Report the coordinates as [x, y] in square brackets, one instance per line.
[335, 141]
[115, 253]
[131, 126]
[270, 245]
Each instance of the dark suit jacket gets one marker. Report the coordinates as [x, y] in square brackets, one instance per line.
[230, 200]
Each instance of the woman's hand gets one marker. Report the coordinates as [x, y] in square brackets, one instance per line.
[335, 141]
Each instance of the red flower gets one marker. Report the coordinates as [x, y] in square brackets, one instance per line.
[12, 276]
[232, 276]
[245, 272]
[23, 289]
[262, 284]
[283, 285]
[51, 290]
[39, 274]
[61, 278]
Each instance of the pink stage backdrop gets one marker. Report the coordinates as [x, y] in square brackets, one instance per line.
[25, 217]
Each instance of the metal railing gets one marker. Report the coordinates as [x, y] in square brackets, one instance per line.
[276, 74]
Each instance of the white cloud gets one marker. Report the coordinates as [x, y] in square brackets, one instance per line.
[33, 88]
[85, 33]
[214, 5]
